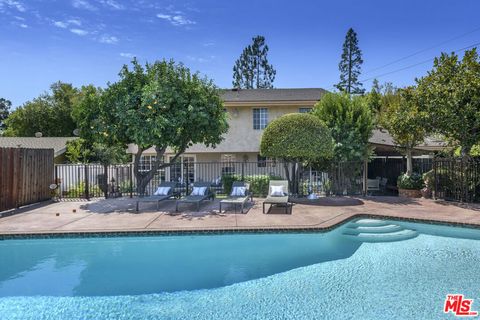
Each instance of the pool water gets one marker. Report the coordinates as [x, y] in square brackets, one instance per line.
[380, 270]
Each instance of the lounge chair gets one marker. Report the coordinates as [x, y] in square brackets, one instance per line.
[373, 185]
[171, 193]
[277, 194]
[235, 198]
[197, 198]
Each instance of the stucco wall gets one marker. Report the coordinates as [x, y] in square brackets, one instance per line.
[241, 137]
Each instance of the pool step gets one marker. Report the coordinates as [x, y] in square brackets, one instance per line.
[372, 230]
[383, 237]
[368, 223]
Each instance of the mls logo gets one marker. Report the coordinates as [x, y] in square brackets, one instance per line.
[459, 306]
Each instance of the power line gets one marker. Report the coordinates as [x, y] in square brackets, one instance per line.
[415, 64]
[423, 50]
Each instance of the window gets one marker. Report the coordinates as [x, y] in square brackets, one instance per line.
[228, 158]
[305, 110]
[263, 162]
[146, 162]
[260, 118]
[182, 169]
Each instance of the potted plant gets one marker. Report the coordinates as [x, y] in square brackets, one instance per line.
[429, 180]
[327, 187]
[410, 186]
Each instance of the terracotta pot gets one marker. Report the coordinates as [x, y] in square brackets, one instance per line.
[406, 193]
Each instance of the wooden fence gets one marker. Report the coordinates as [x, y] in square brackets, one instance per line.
[25, 176]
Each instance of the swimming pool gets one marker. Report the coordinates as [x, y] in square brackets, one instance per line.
[365, 269]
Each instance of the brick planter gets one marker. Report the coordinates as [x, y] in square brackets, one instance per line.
[406, 193]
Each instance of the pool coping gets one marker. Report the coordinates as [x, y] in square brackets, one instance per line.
[220, 230]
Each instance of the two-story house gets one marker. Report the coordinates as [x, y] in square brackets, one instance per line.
[249, 112]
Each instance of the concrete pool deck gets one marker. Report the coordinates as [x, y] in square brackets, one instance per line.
[118, 215]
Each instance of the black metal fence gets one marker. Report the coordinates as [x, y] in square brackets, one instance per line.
[457, 179]
[94, 180]
[391, 168]
[335, 179]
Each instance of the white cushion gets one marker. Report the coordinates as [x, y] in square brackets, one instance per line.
[238, 192]
[277, 191]
[198, 191]
[162, 191]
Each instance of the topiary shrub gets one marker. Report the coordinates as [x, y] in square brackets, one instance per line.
[412, 182]
[297, 138]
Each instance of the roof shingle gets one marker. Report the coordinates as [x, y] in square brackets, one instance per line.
[296, 94]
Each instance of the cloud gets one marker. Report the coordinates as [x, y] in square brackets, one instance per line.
[200, 59]
[176, 20]
[209, 44]
[67, 23]
[164, 16]
[112, 4]
[23, 25]
[108, 39]
[13, 4]
[75, 22]
[79, 32]
[83, 4]
[126, 55]
[60, 24]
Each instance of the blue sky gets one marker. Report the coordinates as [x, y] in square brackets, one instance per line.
[87, 41]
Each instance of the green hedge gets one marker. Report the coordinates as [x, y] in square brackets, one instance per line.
[413, 182]
[258, 183]
[126, 186]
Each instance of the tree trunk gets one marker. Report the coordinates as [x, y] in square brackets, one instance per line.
[143, 178]
[296, 189]
[349, 86]
[409, 162]
[289, 173]
[294, 180]
[292, 176]
[258, 71]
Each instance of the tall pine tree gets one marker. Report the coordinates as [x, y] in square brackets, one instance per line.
[252, 69]
[350, 65]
